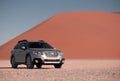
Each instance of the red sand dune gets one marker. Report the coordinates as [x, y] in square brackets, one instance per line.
[78, 34]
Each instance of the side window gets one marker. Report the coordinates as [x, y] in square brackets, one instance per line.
[23, 44]
[17, 46]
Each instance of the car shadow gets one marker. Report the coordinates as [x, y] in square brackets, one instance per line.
[13, 68]
[5, 68]
[44, 68]
[24, 68]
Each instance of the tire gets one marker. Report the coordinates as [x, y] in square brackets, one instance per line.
[13, 63]
[38, 65]
[58, 65]
[29, 63]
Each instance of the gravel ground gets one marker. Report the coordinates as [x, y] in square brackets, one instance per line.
[72, 70]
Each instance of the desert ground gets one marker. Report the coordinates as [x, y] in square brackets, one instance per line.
[72, 70]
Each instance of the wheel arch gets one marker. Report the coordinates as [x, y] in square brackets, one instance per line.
[28, 54]
[11, 58]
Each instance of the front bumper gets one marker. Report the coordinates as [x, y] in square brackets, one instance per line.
[49, 60]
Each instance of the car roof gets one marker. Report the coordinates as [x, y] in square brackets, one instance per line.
[21, 41]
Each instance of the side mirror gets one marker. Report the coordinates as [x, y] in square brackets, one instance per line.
[23, 48]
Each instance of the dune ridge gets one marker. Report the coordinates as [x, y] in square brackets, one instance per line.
[78, 34]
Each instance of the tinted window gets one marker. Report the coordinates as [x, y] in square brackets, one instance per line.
[39, 45]
[17, 46]
[23, 44]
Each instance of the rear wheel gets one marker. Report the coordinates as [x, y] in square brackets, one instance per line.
[29, 63]
[13, 63]
[58, 65]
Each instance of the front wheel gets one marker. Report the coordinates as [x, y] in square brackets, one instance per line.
[29, 63]
[38, 65]
[13, 63]
[58, 65]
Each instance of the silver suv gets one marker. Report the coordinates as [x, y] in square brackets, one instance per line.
[36, 53]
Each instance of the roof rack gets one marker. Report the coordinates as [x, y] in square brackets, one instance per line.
[42, 41]
[22, 41]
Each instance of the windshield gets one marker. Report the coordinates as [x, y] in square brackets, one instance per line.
[39, 45]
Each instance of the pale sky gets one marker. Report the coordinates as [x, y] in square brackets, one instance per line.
[18, 16]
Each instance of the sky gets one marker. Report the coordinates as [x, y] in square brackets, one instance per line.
[18, 16]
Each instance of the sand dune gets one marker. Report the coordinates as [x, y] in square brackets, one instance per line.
[78, 34]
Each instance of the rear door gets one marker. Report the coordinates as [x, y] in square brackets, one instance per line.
[16, 52]
[22, 52]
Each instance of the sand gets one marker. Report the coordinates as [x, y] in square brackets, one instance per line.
[72, 70]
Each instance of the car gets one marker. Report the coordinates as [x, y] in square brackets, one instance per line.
[36, 53]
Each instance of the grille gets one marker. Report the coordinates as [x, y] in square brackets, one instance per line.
[51, 54]
[52, 60]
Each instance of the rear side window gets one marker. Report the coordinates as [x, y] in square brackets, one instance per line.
[17, 46]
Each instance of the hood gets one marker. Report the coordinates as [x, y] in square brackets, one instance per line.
[43, 49]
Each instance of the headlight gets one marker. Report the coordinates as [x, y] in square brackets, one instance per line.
[44, 53]
[37, 52]
[61, 54]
